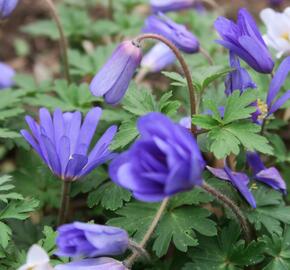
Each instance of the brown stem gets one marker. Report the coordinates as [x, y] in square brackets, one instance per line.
[227, 202]
[110, 9]
[184, 66]
[62, 39]
[206, 55]
[129, 262]
[64, 203]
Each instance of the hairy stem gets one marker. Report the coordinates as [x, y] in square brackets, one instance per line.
[206, 55]
[187, 74]
[62, 39]
[227, 202]
[130, 261]
[64, 203]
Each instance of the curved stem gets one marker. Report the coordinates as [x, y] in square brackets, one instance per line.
[206, 55]
[183, 64]
[64, 204]
[227, 202]
[62, 39]
[129, 262]
[212, 3]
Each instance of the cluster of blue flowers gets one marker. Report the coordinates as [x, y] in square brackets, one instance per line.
[171, 159]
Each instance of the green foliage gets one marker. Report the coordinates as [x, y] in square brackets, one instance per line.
[13, 206]
[278, 251]
[225, 252]
[271, 211]
[226, 134]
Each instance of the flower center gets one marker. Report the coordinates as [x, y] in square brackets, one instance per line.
[285, 36]
[263, 108]
[254, 186]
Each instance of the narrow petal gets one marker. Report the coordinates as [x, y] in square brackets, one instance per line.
[46, 123]
[279, 102]
[255, 162]
[88, 130]
[278, 80]
[75, 165]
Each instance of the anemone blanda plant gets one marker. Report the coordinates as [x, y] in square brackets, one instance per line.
[63, 142]
[244, 39]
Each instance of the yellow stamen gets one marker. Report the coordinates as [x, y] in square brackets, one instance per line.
[285, 36]
[263, 108]
[254, 186]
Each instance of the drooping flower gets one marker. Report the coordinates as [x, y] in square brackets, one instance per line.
[93, 264]
[176, 33]
[164, 161]
[170, 5]
[158, 58]
[63, 142]
[238, 79]
[7, 7]
[7, 74]
[245, 41]
[278, 30]
[90, 240]
[239, 180]
[269, 176]
[113, 79]
[37, 259]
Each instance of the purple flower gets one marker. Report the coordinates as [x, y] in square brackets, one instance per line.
[239, 180]
[275, 3]
[245, 41]
[171, 5]
[158, 58]
[275, 86]
[239, 79]
[93, 264]
[62, 142]
[176, 33]
[185, 122]
[269, 176]
[6, 76]
[90, 240]
[113, 79]
[7, 7]
[171, 160]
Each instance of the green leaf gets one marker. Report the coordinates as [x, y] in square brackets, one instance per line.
[204, 76]
[227, 139]
[5, 188]
[19, 209]
[5, 114]
[278, 250]
[237, 106]
[271, 212]
[135, 218]
[225, 252]
[126, 134]
[204, 121]
[167, 106]
[138, 101]
[110, 196]
[48, 242]
[177, 78]
[8, 134]
[5, 235]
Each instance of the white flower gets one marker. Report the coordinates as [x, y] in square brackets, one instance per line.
[37, 259]
[278, 30]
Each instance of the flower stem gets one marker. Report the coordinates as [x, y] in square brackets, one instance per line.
[64, 203]
[227, 202]
[206, 55]
[62, 39]
[130, 261]
[187, 74]
[110, 9]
